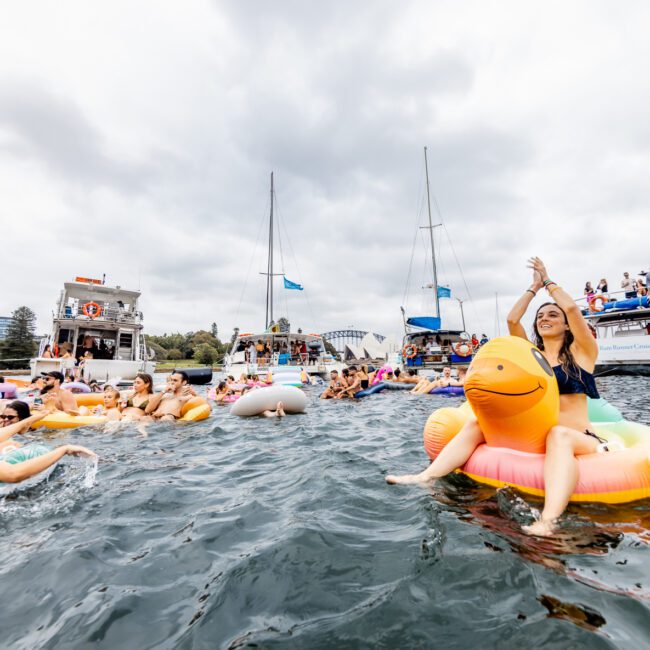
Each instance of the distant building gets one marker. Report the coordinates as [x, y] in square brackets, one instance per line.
[4, 326]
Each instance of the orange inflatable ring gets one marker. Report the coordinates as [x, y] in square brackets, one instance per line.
[410, 351]
[463, 349]
[592, 303]
[96, 310]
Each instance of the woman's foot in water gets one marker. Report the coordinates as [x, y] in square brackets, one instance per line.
[541, 528]
[279, 410]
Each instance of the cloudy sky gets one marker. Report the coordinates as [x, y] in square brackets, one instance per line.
[137, 140]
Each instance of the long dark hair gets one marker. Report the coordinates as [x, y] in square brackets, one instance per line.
[565, 357]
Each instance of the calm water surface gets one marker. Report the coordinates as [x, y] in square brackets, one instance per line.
[235, 533]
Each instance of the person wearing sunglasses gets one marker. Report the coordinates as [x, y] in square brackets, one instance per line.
[16, 419]
[54, 394]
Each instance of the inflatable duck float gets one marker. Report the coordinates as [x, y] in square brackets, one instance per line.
[512, 391]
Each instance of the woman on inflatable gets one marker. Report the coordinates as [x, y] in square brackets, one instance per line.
[133, 408]
[16, 419]
[563, 336]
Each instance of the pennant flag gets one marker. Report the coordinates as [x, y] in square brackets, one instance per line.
[292, 285]
[444, 292]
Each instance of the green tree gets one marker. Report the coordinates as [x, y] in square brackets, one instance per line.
[161, 353]
[206, 354]
[19, 342]
[174, 354]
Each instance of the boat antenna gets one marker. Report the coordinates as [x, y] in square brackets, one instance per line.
[430, 227]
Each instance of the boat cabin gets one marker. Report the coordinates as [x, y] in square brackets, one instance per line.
[278, 349]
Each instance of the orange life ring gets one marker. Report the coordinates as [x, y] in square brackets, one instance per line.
[410, 351]
[592, 303]
[463, 348]
[96, 310]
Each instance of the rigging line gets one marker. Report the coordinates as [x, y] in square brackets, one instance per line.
[418, 218]
[250, 264]
[295, 261]
[280, 226]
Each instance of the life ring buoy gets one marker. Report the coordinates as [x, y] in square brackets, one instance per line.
[410, 351]
[463, 349]
[593, 308]
[96, 310]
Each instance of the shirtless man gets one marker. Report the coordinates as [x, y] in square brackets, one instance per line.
[166, 406]
[410, 378]
[54, 395]
[334, 386]
[354, 384]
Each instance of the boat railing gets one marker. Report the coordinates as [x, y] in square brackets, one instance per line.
[596, 303]
[115, 314]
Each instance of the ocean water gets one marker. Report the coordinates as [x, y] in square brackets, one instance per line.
[282, 533]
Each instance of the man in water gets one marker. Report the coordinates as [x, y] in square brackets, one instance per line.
[166, 406]
[334, 386]
[354, 384]
[55, 396]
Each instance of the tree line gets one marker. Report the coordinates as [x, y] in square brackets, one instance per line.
[203, 346]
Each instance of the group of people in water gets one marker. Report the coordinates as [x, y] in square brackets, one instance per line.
[560, 332]
[141, 403]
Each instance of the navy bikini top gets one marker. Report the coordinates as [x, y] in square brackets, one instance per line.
[569, 385]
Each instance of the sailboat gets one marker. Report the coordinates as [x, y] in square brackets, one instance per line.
[426, 345]
[277, 352]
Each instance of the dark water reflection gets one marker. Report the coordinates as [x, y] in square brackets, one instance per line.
[261, 533]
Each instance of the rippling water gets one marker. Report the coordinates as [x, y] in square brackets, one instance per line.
[235, 532]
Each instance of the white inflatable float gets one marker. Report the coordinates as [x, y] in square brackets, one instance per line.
[258, 400]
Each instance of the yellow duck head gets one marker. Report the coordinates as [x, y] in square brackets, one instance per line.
[513, 392]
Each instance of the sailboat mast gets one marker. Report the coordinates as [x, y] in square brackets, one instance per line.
[433, 248]
[269, 268]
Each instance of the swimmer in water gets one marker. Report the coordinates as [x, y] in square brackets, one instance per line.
[14, 472]
[135, 404]
[166, 406]
[562, 334]
[277, 413]
[16, 420]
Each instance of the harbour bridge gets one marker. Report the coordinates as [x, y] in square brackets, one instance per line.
[339, 338]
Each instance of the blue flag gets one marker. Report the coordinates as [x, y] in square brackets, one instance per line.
[444, 292]
[292, 285]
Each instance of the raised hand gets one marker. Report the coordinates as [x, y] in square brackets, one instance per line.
[540, 274]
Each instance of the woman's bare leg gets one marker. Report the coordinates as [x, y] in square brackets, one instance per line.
[560, 474]
[454, 455]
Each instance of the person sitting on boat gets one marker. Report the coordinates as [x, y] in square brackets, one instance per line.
[354, 384]
[475, 342]
[333, 387]
[47, 352]
[640, 288]
[16, 419]
[484, 339]
[135, 404]
[166, 406]
[562, 335]
[628, 285]
[55, 394]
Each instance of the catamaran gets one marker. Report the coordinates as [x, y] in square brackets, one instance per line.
[286, 355]
[426, 346]
[100, 325]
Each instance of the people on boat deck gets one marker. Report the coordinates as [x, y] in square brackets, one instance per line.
[135, 404]
[475, 341]
[252, 353]
[166, 406]
[628, 285]
[54, 394]
[589, 290]
[562, 335]
[484, 339]
[602, 286]
[47, 352]
[640, 287]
